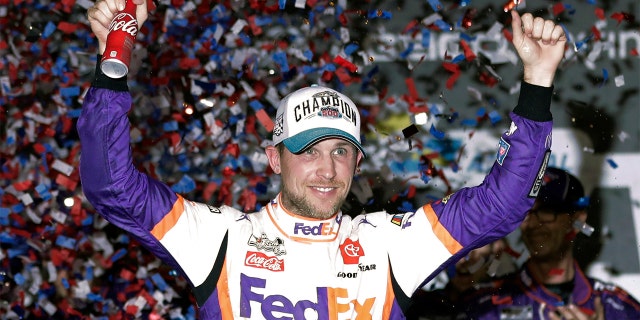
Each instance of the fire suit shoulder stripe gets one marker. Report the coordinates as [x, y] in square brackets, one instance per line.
[394, 293]
[203, 291]
[440, 231]
[223, 294]
[169, 220]
[389, 297]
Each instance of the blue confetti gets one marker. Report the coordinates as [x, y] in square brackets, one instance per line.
[118, 254]
[458, 58]
[94, 297]
[495, 117]
[437, 134]
[4, 216]
[281, 59]
[605, 77]
[426, 38]
[19, 279]
[256, 105]
[74, 113]
[66, 242]
[170, 126]
[263, 21]
[435, 5]
[612, 163]
[469, 122]
[404, 54]
[49, 29]
[351, 48]
[180, 22]
[159, 281]
[185, 185]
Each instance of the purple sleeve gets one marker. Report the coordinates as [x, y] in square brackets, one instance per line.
[120, 193]
[478, 215]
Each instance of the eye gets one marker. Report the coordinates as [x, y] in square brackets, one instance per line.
[310, 151]
[341, 151]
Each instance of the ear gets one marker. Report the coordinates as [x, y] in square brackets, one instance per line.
[580, 216]
[274, 158]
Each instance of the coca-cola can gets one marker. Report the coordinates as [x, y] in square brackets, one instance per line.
[120, 40]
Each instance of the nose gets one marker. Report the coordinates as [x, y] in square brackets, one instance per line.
[326, 168]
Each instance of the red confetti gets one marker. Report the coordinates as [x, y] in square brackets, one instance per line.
[558, 8]
[345, 63]
[67, 27]
[468, 53]
[599, 13]
[596, 33]
[265, 120]
[411, 87]
[619, 16]
[455, 70]
[412, 24]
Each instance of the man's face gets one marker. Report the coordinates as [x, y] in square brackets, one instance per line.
[316, 182]
[546, 234]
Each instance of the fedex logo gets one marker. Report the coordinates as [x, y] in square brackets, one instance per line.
[278, 306]
[322, 229]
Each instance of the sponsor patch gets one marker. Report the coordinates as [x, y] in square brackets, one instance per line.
[321, 229]
[397, 219]
[446, 199]
[537, 183]
[265, 244]
[366, 267]
[503, 149]
[213, 209]
[351, 251]
[512, 129]
[262, 261]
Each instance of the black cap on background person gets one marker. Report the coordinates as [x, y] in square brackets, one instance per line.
[561, 192]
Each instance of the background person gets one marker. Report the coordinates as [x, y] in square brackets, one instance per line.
[550, 284]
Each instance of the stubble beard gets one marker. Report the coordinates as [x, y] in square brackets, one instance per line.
[298, 204]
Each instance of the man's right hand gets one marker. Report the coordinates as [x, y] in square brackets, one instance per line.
[103, 11]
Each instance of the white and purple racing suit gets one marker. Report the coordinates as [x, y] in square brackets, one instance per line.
[274, 264]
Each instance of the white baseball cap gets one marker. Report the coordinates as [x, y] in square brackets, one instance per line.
[315, 113]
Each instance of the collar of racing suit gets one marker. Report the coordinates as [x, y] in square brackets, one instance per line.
[299, 228]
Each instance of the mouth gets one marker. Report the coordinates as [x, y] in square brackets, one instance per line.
[324, 189]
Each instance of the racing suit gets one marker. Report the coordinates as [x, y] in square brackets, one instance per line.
[520, 296]
[274, 264]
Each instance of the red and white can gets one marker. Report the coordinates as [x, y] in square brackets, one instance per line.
[120, 40]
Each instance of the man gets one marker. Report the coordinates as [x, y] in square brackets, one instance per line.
[550, 284]
[299, 257]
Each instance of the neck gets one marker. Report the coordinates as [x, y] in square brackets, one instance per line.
[552, 271]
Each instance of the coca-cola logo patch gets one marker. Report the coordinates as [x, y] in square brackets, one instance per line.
[262, 261]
